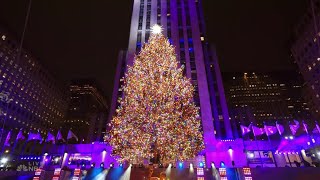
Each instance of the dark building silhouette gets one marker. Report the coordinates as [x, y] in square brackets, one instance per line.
[88, 110]
[306, 53]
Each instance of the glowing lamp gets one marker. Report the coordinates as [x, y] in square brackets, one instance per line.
[212, 164]
[121, 165]
[250, 155]
[92, 164]
[313, 140]
[286, 137]
[180, 164]
[111, 165]
[308, 143]
[102, 165]
[201, 164]
[291, 137]
[222, 164]
[45, 154]
[4, 160]
[191, 165]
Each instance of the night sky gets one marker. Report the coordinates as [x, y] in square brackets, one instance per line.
[81, 38]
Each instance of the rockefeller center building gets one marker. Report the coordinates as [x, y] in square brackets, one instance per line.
[183, 24]
[265, 98]
[305, 51]
[88, 110]
[31, 98]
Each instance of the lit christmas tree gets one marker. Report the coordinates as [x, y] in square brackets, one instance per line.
[156, 116]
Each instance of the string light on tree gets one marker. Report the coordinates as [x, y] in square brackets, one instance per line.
[157, 116]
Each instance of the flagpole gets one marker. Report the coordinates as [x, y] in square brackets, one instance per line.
[255, 138]
[15, 144]
[272, 150]
[244, 145]
[65, 147]
[306, 130]
[5, 141]
[17, 140]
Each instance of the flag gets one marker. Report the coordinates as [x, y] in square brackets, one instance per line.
[280, 128]
[270, 130]
[71, 135]
[257, 131]
[59, 136]
[316, 129]
[20, 135]
[34, 136]
[294, 128]
[39, 137]
[50, 138]
[7, 143]
[305, 127]
[245, 129]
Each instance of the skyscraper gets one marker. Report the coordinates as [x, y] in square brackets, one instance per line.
[265, 97]
[306, 53]
[88, 110]
[183, 23]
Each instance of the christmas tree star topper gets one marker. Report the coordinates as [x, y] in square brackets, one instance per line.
[156, 29]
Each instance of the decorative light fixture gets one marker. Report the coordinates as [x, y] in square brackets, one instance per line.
[4, 160]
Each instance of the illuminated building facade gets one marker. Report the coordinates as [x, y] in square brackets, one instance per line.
[31, 98]
[265, 97]
[183, 23]
[306, 53]
[88, 110]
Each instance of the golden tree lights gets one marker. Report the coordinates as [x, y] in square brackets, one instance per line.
[156, 116]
